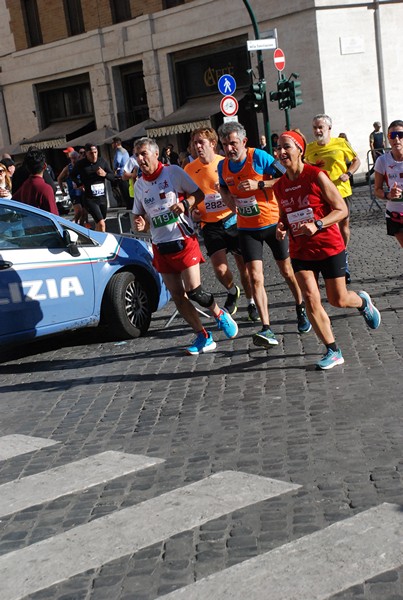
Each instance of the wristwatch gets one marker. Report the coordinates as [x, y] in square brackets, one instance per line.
[349, 173]
[319, 225]
[261, 185]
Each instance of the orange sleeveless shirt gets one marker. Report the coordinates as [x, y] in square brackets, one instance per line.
[213, 208]
[256, 209]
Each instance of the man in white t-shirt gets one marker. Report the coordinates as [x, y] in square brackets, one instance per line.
[130, 173]
[164, 195]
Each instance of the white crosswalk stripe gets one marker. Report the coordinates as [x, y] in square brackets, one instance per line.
[16, 444]
[73, 477]
[126, 531]
[314, 567]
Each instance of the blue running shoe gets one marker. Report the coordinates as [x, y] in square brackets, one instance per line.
[370, 313]
[330, 359]
[201, 344]
[227, 324]
[265, 339]
[304, 324]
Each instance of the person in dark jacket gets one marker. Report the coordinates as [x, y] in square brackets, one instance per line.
[89, 174]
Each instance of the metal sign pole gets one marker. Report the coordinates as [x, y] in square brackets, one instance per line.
[261, 75]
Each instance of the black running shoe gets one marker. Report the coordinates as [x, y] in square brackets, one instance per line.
[231, 303]
[253, 315]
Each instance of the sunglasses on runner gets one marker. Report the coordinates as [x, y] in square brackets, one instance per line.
[394, 134]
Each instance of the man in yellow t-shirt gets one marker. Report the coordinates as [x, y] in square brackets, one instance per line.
[218, 222]
[337, 157]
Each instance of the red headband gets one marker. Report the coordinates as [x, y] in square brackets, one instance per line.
[298, 139]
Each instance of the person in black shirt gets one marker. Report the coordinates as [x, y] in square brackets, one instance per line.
[89, 174]
[377, 145]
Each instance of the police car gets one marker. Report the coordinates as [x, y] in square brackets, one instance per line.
[56, 275]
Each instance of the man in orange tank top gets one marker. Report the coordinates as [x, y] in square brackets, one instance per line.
[246, 177]
[218, 222]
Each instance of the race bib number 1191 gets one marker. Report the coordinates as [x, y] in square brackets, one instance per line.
[166, 218]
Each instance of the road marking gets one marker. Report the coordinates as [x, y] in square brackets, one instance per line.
[14, 445]
[67, 479]
[124, 532]
[314, 567]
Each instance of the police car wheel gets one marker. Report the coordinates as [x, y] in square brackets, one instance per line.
[127, 310]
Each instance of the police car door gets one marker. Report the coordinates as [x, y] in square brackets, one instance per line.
[43, 287]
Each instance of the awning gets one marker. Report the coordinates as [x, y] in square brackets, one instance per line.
[11, 149]
[195, 113]
[98, 137]
[136, 131]
[55, 135]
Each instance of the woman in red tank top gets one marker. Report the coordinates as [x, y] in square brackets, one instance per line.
[310, 208]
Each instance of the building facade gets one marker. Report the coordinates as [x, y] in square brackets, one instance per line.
[74, 67]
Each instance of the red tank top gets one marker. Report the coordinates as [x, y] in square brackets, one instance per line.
[302, 200]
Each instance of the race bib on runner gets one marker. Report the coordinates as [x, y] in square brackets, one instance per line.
[297, 218]
[213, 203]
[247, 207]
[161, 215]
[98, 189]
[163, 219]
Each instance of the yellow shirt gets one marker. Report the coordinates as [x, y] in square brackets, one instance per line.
[333, 157]
[213, 208]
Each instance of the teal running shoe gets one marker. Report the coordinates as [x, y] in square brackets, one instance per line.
[370, 313]
[304, 324]
[330, 359]
[201, 344]
[227, 325]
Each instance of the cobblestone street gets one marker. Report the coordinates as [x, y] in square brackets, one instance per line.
[332, 441]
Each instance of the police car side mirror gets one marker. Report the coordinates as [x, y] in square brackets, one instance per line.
[70, 239]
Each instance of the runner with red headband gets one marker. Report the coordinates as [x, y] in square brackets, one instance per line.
[310, 209]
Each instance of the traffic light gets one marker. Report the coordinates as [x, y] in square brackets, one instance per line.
[256, 96]
[282, 96]
[258, 92]
[295, 94]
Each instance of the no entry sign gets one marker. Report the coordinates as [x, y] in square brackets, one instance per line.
[279, 59]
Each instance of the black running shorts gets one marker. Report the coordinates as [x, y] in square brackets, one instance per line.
[330, 268]
[251, 243]
[216, 237]
[392, 228]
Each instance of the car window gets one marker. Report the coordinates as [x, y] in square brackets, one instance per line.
[25, 229]
[83, 240]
